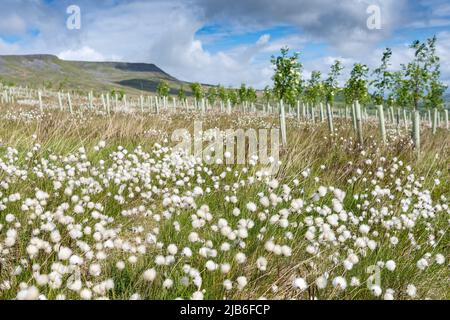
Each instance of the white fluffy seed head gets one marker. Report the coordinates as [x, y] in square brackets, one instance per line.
[149, 275]
[300, 284]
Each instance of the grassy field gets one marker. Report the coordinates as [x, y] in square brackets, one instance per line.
[100, 207]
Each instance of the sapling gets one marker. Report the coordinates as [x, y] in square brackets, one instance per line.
[355, 92]
[197, 92]
[330, 88]
[313, 91]
[287, 77]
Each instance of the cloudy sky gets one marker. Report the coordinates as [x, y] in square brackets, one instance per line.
[225, 41]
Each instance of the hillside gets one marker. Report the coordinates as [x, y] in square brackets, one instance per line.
[53, 73]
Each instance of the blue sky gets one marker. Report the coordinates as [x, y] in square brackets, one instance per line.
[223, 41]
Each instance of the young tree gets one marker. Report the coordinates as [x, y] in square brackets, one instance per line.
[301, 89]
[330, 86]
[162, 89]
[197, 91]
[233, 96]
[400, 90]
[181, 94]
[418, 71]
[251, 95]
[211, 95]
[356, 92]
[383, 79]
[435, 88]
[314, 89]
[222, 93]
[287, 75]
[267, 94]
[356, 86]
[242, 93]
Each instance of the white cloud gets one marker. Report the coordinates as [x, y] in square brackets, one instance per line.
[83, 54]
[13, 24]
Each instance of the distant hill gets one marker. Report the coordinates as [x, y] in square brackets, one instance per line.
[53, 73]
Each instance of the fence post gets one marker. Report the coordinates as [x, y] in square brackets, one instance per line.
[382, 123]
[41, 108]
[416, 131]
[283, 125]
[434, 122]
[60, 101]
[104, 102]
[70, 103]
[359, 122]
[330, 118]
[321, 112]
[354, 116]
[446, 118]
[108, 105]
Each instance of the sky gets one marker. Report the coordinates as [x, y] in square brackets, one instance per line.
[226, 41]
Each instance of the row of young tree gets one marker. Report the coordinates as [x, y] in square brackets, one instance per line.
[212, 94]
[417, 84]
